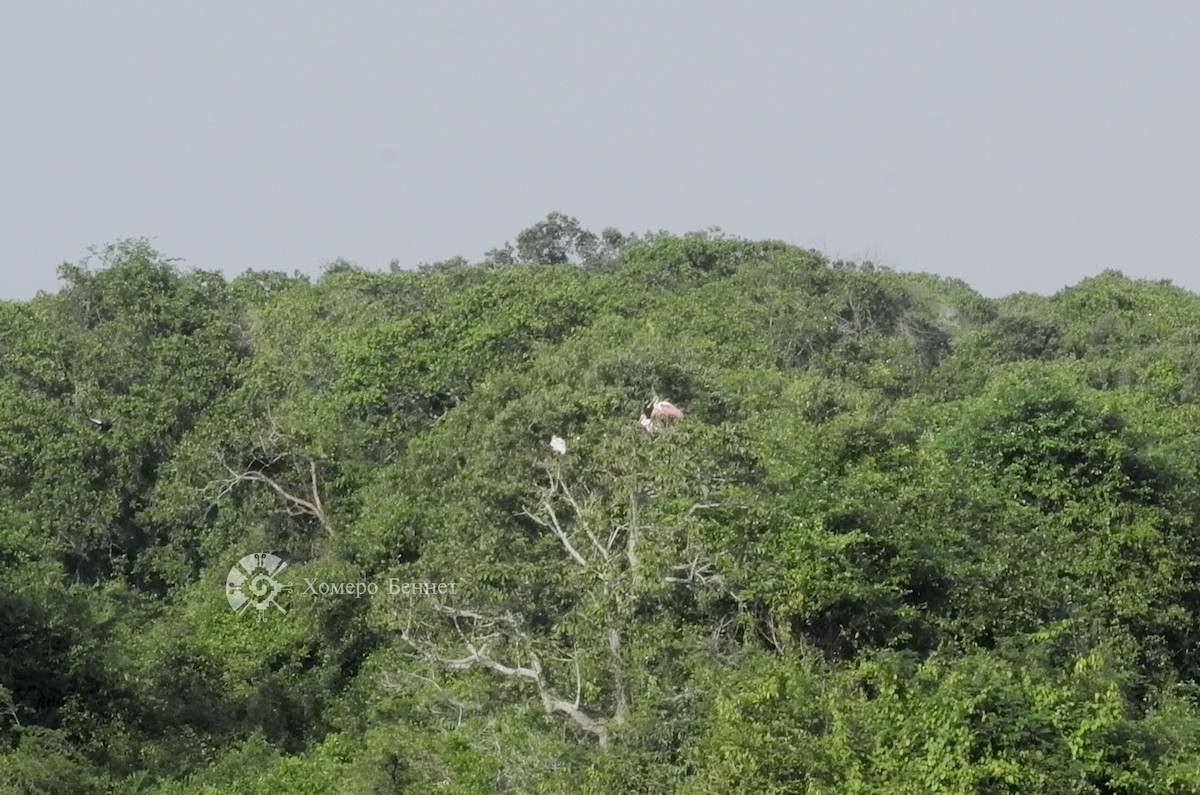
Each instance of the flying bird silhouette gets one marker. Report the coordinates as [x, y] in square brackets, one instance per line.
[103, 425]
[558, 445]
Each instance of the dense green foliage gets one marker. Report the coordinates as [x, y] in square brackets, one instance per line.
[906, 539]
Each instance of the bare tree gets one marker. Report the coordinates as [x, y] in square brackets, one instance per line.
[480, 634]
[274, 448]
[613, 575]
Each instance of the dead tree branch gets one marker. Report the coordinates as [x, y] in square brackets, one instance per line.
[478, 643]
[273, 444]
[613, 574]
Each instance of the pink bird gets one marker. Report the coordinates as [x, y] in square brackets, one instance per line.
[558, 445]
[663, 408]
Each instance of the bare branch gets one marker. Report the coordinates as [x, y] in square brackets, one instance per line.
[557, 529]
[392, 685]
[578, 682]
[557, 484]
[614, 583]
[316, 491]
[632, 536]
[612, 538]
[478, 654]
[614, 646]
[456, 612]
[700, 506]
[308, 505]
[305, 506]
[697, 570]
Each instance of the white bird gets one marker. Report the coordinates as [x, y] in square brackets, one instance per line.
[558, 445]
[663, 408]
[647, 423]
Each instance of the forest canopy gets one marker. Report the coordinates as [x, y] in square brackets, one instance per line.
[903, 538]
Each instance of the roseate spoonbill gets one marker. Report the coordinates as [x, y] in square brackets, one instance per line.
[558, 445]
[647, 423]
[663, 408]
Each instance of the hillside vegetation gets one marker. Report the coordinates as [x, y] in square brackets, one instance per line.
[905, 538]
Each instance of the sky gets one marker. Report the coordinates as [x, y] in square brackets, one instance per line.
[1019, 146]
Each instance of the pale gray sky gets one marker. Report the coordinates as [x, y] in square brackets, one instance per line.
[1016, 145]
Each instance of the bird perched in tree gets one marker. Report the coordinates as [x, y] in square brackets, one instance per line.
[663, 408]
[558, 445]
[103, 425]
[658, 409]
